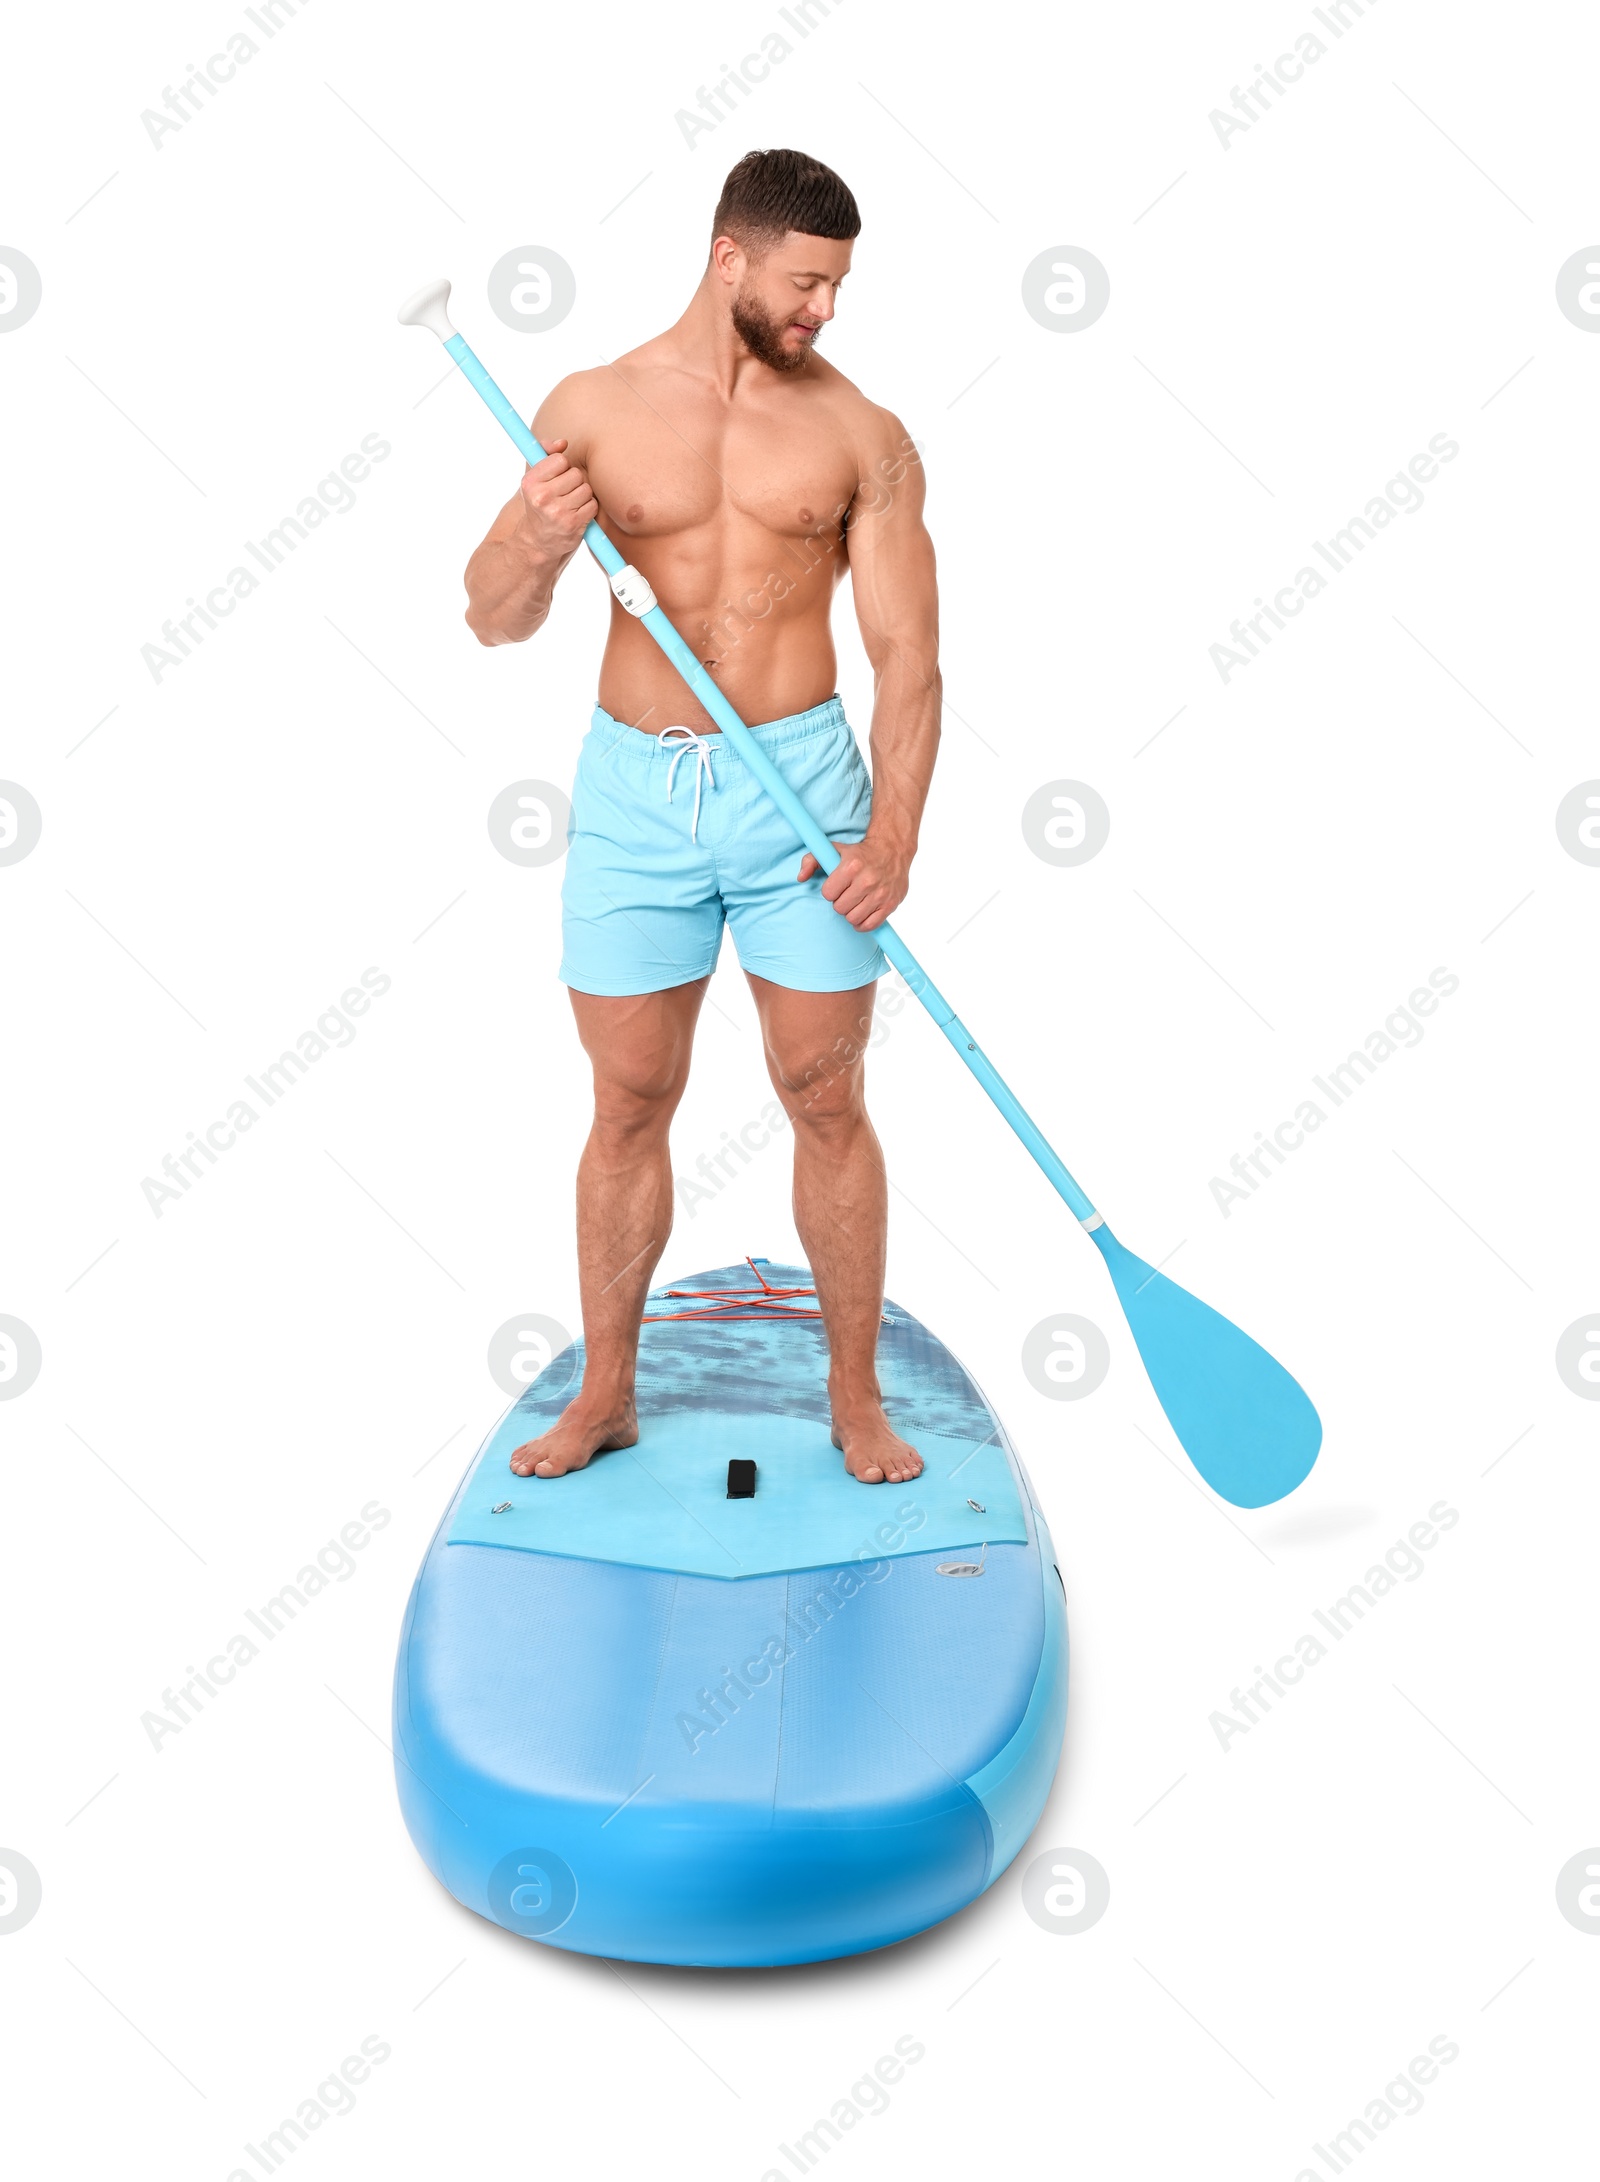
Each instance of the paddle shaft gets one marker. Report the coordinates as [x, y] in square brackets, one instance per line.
[794, 810]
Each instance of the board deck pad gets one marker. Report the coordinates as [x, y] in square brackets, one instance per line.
[753, 1386]
[665, 1505]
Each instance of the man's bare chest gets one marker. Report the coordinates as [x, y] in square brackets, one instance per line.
[656, 475]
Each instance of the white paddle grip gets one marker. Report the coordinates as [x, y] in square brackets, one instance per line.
[427, 308]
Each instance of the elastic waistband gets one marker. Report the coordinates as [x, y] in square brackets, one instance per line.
[642, 747]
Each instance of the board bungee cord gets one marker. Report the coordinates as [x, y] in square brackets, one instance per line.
[1248, 1426]
[765, 1301]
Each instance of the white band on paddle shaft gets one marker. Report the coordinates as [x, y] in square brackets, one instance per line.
[1095, 1219]
[633, 592]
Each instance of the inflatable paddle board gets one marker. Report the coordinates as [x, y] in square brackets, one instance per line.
[675, 1708]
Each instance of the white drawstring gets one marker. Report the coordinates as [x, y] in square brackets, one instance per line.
[702, 767]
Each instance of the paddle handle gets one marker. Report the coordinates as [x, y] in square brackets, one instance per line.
[794, 810]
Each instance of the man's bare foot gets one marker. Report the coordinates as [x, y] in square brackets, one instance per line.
[873, 1454]
[585, 1427]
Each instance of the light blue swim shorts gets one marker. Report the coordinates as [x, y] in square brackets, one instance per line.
[672, 836]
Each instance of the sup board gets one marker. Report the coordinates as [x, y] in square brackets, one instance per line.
[669, 1710]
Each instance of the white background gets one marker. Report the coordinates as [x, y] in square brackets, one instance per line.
[1292, 317]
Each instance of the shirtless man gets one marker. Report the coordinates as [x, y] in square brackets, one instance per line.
[741, 474]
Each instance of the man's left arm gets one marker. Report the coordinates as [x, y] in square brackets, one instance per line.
[897, 607]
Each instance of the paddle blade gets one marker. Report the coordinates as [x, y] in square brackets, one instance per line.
[1247, 1427]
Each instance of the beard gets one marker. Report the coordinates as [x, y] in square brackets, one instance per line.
[762, 334]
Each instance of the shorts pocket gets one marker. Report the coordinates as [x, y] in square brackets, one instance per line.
[848, 788]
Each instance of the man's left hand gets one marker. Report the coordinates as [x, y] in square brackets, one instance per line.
[868, 883]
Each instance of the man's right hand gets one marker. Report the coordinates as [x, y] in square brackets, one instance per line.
[557, 505]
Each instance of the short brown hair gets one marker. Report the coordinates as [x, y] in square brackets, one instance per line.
[768, 194]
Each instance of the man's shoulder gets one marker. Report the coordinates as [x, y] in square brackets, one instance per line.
[867, 423]
[580, 409]
[582, 393]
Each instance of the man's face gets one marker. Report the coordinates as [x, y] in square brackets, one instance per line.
[785, 298]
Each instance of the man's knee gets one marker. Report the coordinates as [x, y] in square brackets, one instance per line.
[638, 1094]
[826, 1097]
[816, 1050]
[639, 1048]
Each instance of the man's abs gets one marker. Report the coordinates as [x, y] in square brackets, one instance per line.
[768, 663]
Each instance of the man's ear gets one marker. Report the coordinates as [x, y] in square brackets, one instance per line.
[728, 260]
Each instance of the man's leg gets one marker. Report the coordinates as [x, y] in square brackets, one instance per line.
[639, 1049]
[816, 1046]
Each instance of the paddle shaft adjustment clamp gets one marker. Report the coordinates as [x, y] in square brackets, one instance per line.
[632, 592]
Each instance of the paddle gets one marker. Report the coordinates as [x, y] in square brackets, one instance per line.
[1246, 1425]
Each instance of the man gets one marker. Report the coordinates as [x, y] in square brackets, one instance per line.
[741, 475]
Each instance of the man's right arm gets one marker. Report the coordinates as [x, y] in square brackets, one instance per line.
[511, 577]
